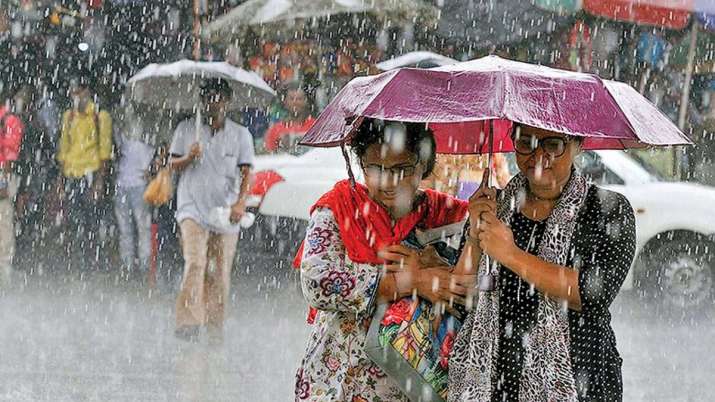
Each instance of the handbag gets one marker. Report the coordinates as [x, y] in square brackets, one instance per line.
[406, 340]
[160, 190]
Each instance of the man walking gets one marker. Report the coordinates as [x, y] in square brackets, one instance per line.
[213, 158]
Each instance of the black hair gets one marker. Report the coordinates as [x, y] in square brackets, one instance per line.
[83, 78]
[211, 86]
[419, 140]
[519, 126]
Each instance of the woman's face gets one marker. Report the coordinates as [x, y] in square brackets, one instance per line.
[545, 157]
[392, 176]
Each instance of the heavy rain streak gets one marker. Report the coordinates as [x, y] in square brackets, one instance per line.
[357, 200]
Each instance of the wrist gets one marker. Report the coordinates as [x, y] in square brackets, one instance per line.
[404, 283]
[473, 235]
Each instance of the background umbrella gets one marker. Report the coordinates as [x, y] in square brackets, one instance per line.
[458, 100]
[176, 85]
[420, 59]
[276, 15]
[495, 23]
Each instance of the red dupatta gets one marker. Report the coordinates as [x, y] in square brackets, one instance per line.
[366, 227]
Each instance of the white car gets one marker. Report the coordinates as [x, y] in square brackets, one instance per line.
[675, 222]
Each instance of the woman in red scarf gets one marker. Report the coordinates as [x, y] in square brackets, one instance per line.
[352, 256]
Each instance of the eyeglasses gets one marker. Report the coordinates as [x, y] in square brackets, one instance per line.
[527, 144]
[400, 172]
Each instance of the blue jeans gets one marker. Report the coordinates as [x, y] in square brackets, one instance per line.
[134, 223]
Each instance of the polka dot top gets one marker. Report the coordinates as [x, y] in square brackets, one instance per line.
[602, 250]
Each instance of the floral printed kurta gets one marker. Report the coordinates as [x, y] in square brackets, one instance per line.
[335, 368]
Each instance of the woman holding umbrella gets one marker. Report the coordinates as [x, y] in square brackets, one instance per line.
[562, 248]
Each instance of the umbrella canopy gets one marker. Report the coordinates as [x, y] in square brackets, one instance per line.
[494, 23]
[176, 85]
[280, 12]
[458, 100]
[672, 14]
[421, 59]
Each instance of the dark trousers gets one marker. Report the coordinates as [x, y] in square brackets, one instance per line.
[82, 223]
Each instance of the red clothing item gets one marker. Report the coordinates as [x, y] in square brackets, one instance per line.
[282, 128]
[366, 227]
[11, 134]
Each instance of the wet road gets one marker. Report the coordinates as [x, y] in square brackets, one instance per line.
[66, 338]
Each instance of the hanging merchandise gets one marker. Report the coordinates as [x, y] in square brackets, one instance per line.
[580, 48]
[653, 50]
[638, 12]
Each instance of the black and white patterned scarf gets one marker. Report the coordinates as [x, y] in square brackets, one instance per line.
[546, 374]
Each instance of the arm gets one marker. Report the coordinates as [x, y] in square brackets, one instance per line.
[554, 280]
[182, 155]
[179, 163]
[558, 282]
[105, 145]
[482, 201]
[246, 157]
[239, 208]
[329, 280]
[64, 142]
[105, 141]
[595, 285]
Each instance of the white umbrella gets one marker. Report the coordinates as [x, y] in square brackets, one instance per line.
[176, 85]
[416, 59]
[283, 12]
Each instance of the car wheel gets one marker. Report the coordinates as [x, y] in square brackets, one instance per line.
[679, 274]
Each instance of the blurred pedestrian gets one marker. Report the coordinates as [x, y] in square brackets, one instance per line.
[84, 153]
[213, 158]
[36, 169]
[11, 132]
[284, 135]
[133, 213]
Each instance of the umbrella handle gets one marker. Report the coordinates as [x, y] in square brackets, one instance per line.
[197, 137]
[490, 158]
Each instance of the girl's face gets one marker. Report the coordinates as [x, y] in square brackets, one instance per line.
[392, 175]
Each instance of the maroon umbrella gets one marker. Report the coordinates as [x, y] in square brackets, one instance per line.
[462, 102]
